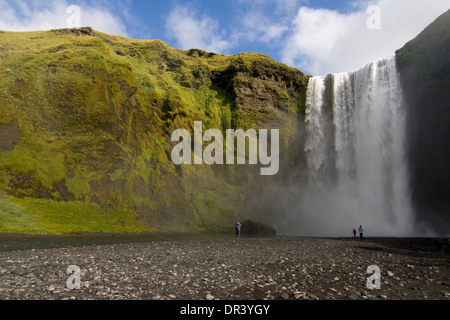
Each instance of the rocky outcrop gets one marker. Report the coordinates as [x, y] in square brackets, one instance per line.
[262, 86]
[79, 32]
[256, 228]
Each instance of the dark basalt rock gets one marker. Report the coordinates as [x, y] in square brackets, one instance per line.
[424, 67]
[250, 227]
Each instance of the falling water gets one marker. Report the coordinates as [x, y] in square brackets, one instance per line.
[355, 151]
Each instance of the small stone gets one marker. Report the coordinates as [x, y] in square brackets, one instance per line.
[209, 297]
[299, 294]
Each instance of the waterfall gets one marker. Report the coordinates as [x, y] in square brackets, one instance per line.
[355, 155]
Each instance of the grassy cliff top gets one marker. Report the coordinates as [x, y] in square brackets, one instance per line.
[136, 52]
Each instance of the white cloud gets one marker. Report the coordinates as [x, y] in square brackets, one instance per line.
[191, 31]
[257, 27]
[324, 41]
[30, 15]
[264, 21]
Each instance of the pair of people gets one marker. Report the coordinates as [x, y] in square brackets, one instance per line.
[361, 232]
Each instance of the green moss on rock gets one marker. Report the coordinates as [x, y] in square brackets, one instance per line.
[96, 113]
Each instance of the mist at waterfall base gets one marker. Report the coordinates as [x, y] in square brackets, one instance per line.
[351, 166]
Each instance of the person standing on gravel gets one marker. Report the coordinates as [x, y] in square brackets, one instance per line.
[238, 230]
[361, 231]
[354, 233]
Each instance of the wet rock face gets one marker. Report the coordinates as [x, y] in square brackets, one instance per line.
[9, 136]
[424, 67]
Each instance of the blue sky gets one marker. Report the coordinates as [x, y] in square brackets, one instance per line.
[316, 36]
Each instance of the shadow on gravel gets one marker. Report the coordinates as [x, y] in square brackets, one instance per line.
[13, 242]
[423, 247]
[29, 242]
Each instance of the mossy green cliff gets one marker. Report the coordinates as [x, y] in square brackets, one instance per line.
[85, 125]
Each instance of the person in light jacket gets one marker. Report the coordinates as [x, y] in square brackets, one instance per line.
[238, 229]
[361, 231]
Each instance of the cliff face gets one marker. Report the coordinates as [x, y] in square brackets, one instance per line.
[424, 65]
[86, 120]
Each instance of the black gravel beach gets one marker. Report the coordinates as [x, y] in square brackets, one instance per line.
[229, 269]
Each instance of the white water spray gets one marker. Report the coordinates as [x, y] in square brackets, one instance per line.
[355, 150]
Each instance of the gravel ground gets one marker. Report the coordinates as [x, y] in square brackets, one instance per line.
[244, 269]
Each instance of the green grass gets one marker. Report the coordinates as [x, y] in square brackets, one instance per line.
[38, 216]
